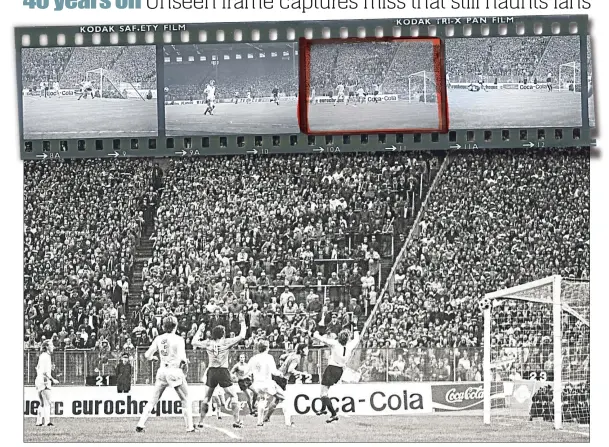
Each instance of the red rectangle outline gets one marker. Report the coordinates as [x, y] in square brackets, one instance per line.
[304, 56]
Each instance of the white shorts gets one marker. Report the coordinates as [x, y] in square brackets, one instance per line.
[269, 388]
[172, 377]
[42, 384]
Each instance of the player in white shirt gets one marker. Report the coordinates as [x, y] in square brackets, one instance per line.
[43, 382]
[340, 93]
[263, 367]
[341, 349]
[549, 82]
[481, 82]
[249, 97]
[361, 98]
[171, 373]
[210, 97]
[312, 96]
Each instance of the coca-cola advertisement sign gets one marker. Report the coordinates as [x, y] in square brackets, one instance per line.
[463, 396]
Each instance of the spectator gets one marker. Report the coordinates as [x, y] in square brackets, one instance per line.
[123, 374]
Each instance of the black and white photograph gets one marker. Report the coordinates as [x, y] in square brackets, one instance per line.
[591, 97]
[224, 89]
[373, 86]
[163, 303]
[508, 82]
[89, 92]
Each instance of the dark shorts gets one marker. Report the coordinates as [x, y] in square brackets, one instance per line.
[244, 384]
[281, 381]
[351, 93]
[376, 92]
[218, 377]
[332, 375]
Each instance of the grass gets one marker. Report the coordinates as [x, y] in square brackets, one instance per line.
[434, 428]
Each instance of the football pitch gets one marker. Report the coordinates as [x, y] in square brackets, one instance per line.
[361, 429]
[232, 119]
[390, 115]
[497, 109]
[66, 117]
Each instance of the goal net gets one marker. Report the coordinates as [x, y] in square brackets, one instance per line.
[537, 354]
[108, 84]
[569, 77]
[422, 87]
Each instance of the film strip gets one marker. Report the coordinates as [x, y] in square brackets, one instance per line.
[144, 90]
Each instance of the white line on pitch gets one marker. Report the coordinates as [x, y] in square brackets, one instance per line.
[577, 432]
[228, 433]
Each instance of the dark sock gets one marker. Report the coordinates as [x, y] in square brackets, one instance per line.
[328, 405]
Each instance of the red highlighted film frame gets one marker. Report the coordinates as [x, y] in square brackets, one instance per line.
[304, 55]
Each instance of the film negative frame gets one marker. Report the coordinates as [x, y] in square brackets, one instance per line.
[291, 32]
[439, 71]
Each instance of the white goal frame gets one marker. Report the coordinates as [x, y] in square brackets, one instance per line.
[107, 75]
[420, 74]
[572, 69]
[558, 306]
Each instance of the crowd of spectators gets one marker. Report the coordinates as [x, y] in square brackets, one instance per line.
[512, 59]
[257, 76]
[43, 64]
[265, 236]
[297, 242]
[385, 64]
[411, 58]
[69, 66]
[82, 221]
[365, 63]
[559, 50]
[494, 221]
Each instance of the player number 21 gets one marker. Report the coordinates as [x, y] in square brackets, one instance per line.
[40, 4]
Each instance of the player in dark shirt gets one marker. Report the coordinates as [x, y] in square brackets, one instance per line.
[289, 363]
[275, 95]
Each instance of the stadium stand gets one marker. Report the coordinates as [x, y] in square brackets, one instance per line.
[530, 58]
[290, 240]
[493, 221]
[188, 68]
[82, 222]
[68, 66]
[283, 265]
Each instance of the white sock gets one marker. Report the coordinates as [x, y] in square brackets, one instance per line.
[261, 410]
[39, 412]
[187, 412]
[47, 413]
[145, 415]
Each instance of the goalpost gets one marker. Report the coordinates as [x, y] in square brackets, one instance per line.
[537, 354]
[569, 77]
[422, 83]
[109, 84]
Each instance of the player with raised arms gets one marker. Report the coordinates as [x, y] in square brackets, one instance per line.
[218, 374]
[242, 374]
[43, 383]
[341, 349]
[171, 373]
[210, 97]
[340, 93]
[263, 368]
